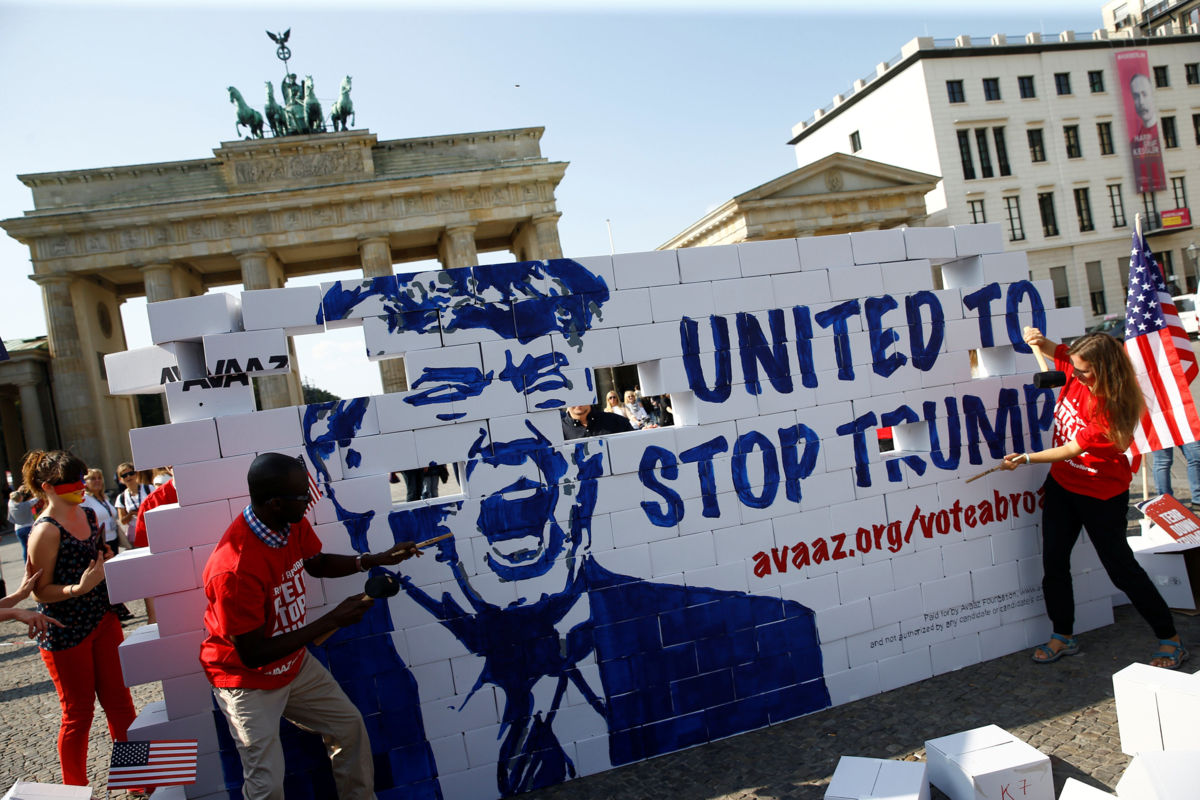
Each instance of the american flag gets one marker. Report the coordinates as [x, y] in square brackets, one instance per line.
[314, 492]
[145, 764]
[1162, 357]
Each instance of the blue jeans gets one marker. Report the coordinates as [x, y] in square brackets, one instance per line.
[23, 537]
[1162, 469]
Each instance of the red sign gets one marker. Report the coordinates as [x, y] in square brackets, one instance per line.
[1172, 517]
[1141, 119]
[1177, 218]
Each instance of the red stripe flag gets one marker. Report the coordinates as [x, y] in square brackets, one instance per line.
[1162, 357]
[145, 764]
[314, 492]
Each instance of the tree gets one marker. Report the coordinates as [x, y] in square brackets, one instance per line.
[315, 394]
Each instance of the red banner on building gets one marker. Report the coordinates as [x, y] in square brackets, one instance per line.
[1176, 218]
[1141, 119]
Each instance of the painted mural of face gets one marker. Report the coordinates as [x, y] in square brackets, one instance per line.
[532, 525]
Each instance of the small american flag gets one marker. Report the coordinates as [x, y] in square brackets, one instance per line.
[144, 764]
[1162, 357]
[314, 492]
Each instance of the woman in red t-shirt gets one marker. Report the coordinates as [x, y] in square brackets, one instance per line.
[1088, 487]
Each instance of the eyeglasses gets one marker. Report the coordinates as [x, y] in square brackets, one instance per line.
[299, 498]
[125, 475]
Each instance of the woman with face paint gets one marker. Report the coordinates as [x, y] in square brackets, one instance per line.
[81, 656]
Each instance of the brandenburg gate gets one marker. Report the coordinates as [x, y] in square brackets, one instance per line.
[259, 212]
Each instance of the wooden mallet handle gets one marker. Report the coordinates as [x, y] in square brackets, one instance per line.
[985, 472]
[434, 540]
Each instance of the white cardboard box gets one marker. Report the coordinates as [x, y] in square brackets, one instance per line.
[145, 370]
[1169, 775]
[1157, 709]
[216, 397]
[254, 353]
[987, 763]
[1078, 790]
[138, 573]
[191, 318]
[858, 778]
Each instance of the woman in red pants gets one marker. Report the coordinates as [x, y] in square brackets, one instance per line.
[66, 545]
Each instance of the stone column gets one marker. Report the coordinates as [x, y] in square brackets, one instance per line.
[261, 270]
[537, 239]
[456, 247]
[159, 282]
[14, 444]
[78, 422]
[375, 253]
[32, 423]
[545, 227]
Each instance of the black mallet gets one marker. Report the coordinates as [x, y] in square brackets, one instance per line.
[378, 587]
[1047, 378]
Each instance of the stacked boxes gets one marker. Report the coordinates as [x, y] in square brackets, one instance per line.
[616, 598]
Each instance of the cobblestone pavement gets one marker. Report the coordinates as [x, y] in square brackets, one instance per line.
[1065, 709]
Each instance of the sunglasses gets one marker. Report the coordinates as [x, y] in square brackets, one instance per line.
[125, 475]
[299, 498]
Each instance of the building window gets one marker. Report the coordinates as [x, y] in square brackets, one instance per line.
[1025, 86]
[1191, 73]
[1046, 209]
[1062, 294]
[1161, 79]
[1180, 192]
[1096, 81]
[954, 91]
[1095, 279]
[991, 88]
[1150, 210]
[977, 215]
[1116, 204]
[1062, 82]
[985, 158]
[1196, 126]
[855, 142]
[1012, 207]
[1071, 136]
[1083, 209]
[1104, 131]
[964, 152]
[1001, 151]
[1037, 145]
[1170, 137]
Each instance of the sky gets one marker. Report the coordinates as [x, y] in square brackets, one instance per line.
[664, 109]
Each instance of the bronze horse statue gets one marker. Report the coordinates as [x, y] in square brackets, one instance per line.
[313, 115]
[246, 115]
[276, 117]
[343, 107]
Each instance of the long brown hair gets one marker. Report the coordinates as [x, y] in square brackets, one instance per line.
[1119, 399]
[55, 466]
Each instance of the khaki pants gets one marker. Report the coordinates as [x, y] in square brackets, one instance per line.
[314, 702]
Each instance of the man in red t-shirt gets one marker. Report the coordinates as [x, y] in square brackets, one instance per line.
[254, 654]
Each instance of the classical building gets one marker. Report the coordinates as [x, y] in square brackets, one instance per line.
[24, 394]
[1031, 132]
[257, 213]
[836, 194]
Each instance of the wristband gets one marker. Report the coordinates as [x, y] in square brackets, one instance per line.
[358, 563]
[1027, 461]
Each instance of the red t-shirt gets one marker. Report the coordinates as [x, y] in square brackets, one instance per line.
[1101, 470]
[249, 585]
[161, 496]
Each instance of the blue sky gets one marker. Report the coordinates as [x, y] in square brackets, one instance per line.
[664, 110]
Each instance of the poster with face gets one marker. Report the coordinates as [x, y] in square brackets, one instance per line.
[606, 599]
[1141, 119]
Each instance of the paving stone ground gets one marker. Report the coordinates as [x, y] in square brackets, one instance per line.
[1065, 709]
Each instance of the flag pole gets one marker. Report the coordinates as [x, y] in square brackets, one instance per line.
[1137, 224]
